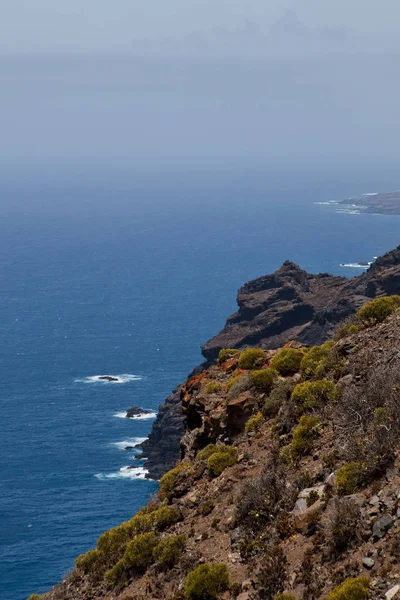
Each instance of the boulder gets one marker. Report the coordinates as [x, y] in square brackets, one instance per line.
[136, 411]
[381, 526]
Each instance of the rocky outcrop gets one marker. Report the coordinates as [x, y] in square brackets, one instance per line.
[289, 304]
[292, 304]
[161, 449]
[136, 412]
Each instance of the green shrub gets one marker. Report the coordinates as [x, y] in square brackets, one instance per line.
[349, 478]
[139, 552]
[287, 361]
[314, 394]
[254, 423]
[263, 379]
[285, 596]
[206, 452]
[312, 498]
[168, 552]
[303, 435]
[116, 573]
[345, 329]
[85, 562]
[351, 589]
[378, 310]
[141, 523]
[170, 479]
[250, 357]
[166, 516]
[111, 544]
[35, 597]
[213, 386]
[313, 363]
[207, 582]
[226, 353]
[225, 456]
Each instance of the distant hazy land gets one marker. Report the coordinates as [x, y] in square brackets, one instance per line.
[387, 203]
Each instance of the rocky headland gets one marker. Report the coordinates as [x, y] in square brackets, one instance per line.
[287, 305]
[383, 203]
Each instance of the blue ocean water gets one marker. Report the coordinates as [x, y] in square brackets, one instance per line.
[127, 274]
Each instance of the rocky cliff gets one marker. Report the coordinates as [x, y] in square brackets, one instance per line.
[288, 487]
[290, 304]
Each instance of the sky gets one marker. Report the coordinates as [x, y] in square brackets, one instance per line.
[44, 26]
[283, 83]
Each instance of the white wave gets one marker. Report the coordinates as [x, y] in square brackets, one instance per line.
[130, 442]
[150, 415]
[127, 472]
[327, 203]
[355, 265]
[371, 194]
[123, 378]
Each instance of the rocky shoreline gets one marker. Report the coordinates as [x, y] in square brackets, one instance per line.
[289, 304]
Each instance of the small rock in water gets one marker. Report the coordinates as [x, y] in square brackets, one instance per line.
[108, 378]
[136, 411]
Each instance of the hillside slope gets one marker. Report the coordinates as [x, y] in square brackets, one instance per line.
[290, 304]
[289, 481]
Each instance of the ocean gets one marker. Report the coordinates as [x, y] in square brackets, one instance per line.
[125, 273]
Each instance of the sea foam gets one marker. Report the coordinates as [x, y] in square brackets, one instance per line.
[122, 415]
[127, 472]
[123, 378]
[131, 442]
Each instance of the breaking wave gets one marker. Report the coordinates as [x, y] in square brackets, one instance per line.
[105, 379]
[122, 415]
[129, 443]
[127, 472]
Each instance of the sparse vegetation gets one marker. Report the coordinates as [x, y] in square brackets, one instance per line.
[285, 596]
[251, 357]
[207, 508]
[303, 436]
[139, 552]
[377, 310]
[166, 516]
[279, 395]
[343, 524]
[311, 395]
[287, 361]
[272, 575]
[254, 423]
[351, 589]
[207, 582]
[222, 458]
[313, 363]
[213, 387]
[168, 552]
[169, 481]
[349, 478]
[226, 353]
[263, 379]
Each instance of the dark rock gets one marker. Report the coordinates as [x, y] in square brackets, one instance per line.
[136, 411]
[381, 526]
[108, 378]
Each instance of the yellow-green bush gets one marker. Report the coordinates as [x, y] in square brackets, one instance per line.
[206, 452]
[85, 562]
[250, 357]
[207, 582]
[213, 386]
[349, 478]
[263, 379]
[285, 596]
[314, 394]
[111, 543]
[287, 361]
[378, 310]
[303, 435]
[168, 552]
[141, 523]
[166, 516]
[345, 329]
[254, 423]
[116, 574]
[226, 353]
[169, 480]
[223, 457]
[314, 361]
[139, 552]
[35, 597]
[352, 589]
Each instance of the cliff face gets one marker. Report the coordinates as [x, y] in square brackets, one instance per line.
[290, 304]
[289, 482]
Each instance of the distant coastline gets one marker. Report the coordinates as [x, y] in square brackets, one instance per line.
[378, 203]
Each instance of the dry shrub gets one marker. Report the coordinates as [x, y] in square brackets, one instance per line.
[272, 575]
[342, 526]
[369, 419]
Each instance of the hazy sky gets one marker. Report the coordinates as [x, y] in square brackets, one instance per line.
[283, 82]
[115, 25]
